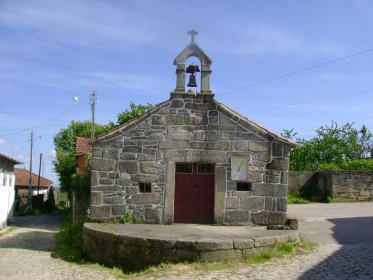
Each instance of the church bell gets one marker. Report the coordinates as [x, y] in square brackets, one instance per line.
[191, 69]
[192, 81]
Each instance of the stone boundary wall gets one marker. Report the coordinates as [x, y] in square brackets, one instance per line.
[299, 180]
[351, 185]
[114, 249]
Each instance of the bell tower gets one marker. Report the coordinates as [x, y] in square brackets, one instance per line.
[192, 49]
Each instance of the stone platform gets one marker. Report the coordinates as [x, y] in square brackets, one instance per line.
[135, 246]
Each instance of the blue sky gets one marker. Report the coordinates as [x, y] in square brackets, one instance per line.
[51, 51]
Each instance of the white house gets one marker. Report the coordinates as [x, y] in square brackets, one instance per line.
[7, 181]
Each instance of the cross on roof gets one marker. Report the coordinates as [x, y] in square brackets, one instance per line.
[192, 33]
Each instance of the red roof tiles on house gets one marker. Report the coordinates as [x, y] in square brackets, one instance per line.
[23, 175]
[83, 146]
[10, 159]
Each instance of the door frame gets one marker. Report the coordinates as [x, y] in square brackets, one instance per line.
[220, 187]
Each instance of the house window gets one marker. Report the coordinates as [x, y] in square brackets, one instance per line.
[205, 168]
[10, 181]
[184, 168]
[4, 179]
[145, 187]
[242, 186]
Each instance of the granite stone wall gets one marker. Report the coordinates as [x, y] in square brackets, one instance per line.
[349, 185]
[354, 185]
[188, 128]
[301, 180]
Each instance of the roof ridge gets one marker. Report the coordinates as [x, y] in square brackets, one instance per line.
[37, 175]
[119, 127]
[260, 127]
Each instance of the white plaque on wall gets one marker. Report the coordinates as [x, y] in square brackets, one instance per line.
[239, 166]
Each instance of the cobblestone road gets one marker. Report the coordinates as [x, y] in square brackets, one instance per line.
[331, 261]
[25, 253]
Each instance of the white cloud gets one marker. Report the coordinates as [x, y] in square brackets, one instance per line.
[53, 154]
[2, 141]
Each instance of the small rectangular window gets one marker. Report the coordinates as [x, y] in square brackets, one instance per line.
[242, 186]
[184, 168]
[205, 168]
[145, 187]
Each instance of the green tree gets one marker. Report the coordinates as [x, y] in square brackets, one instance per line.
[134, 112]
[333, 144]
[289, 133]
[64, 142]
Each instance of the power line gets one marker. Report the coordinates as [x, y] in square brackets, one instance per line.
[312, 101]
[44, 123]
[25, 115]
[298, 71]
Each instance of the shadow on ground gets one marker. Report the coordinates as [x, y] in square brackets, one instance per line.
[31, 240]
[355, 259]
[44, 222]
[34, 233]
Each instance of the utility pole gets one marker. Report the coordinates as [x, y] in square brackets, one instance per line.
[93, 103]
[41, 156]
[29, 200]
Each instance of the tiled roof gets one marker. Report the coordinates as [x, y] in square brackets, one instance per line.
[10, 159]
[23, 175]
[83, 146]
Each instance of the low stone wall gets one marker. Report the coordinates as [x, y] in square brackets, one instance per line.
[134, 250]
[351, 185]
[301, 180]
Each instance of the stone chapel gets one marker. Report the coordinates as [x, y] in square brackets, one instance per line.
[190, 159]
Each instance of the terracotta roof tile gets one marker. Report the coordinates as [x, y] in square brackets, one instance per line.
[10, 159]
[22, 178]
[83, 146]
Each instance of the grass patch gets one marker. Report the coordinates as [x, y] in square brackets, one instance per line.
[69, 239]
[298, 198]
[276, 251]
[7, 230]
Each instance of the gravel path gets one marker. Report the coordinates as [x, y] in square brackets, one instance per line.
[343, 231]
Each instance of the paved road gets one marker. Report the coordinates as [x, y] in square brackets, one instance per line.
[26, 253]
[344, 232]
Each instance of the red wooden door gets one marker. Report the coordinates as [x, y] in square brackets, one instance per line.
[194, 193]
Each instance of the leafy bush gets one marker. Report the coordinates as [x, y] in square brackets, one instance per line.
[333, 145]
[81, 187]
[358, 165]
[69, 240]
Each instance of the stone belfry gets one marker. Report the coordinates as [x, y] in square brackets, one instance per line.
[192, 49]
